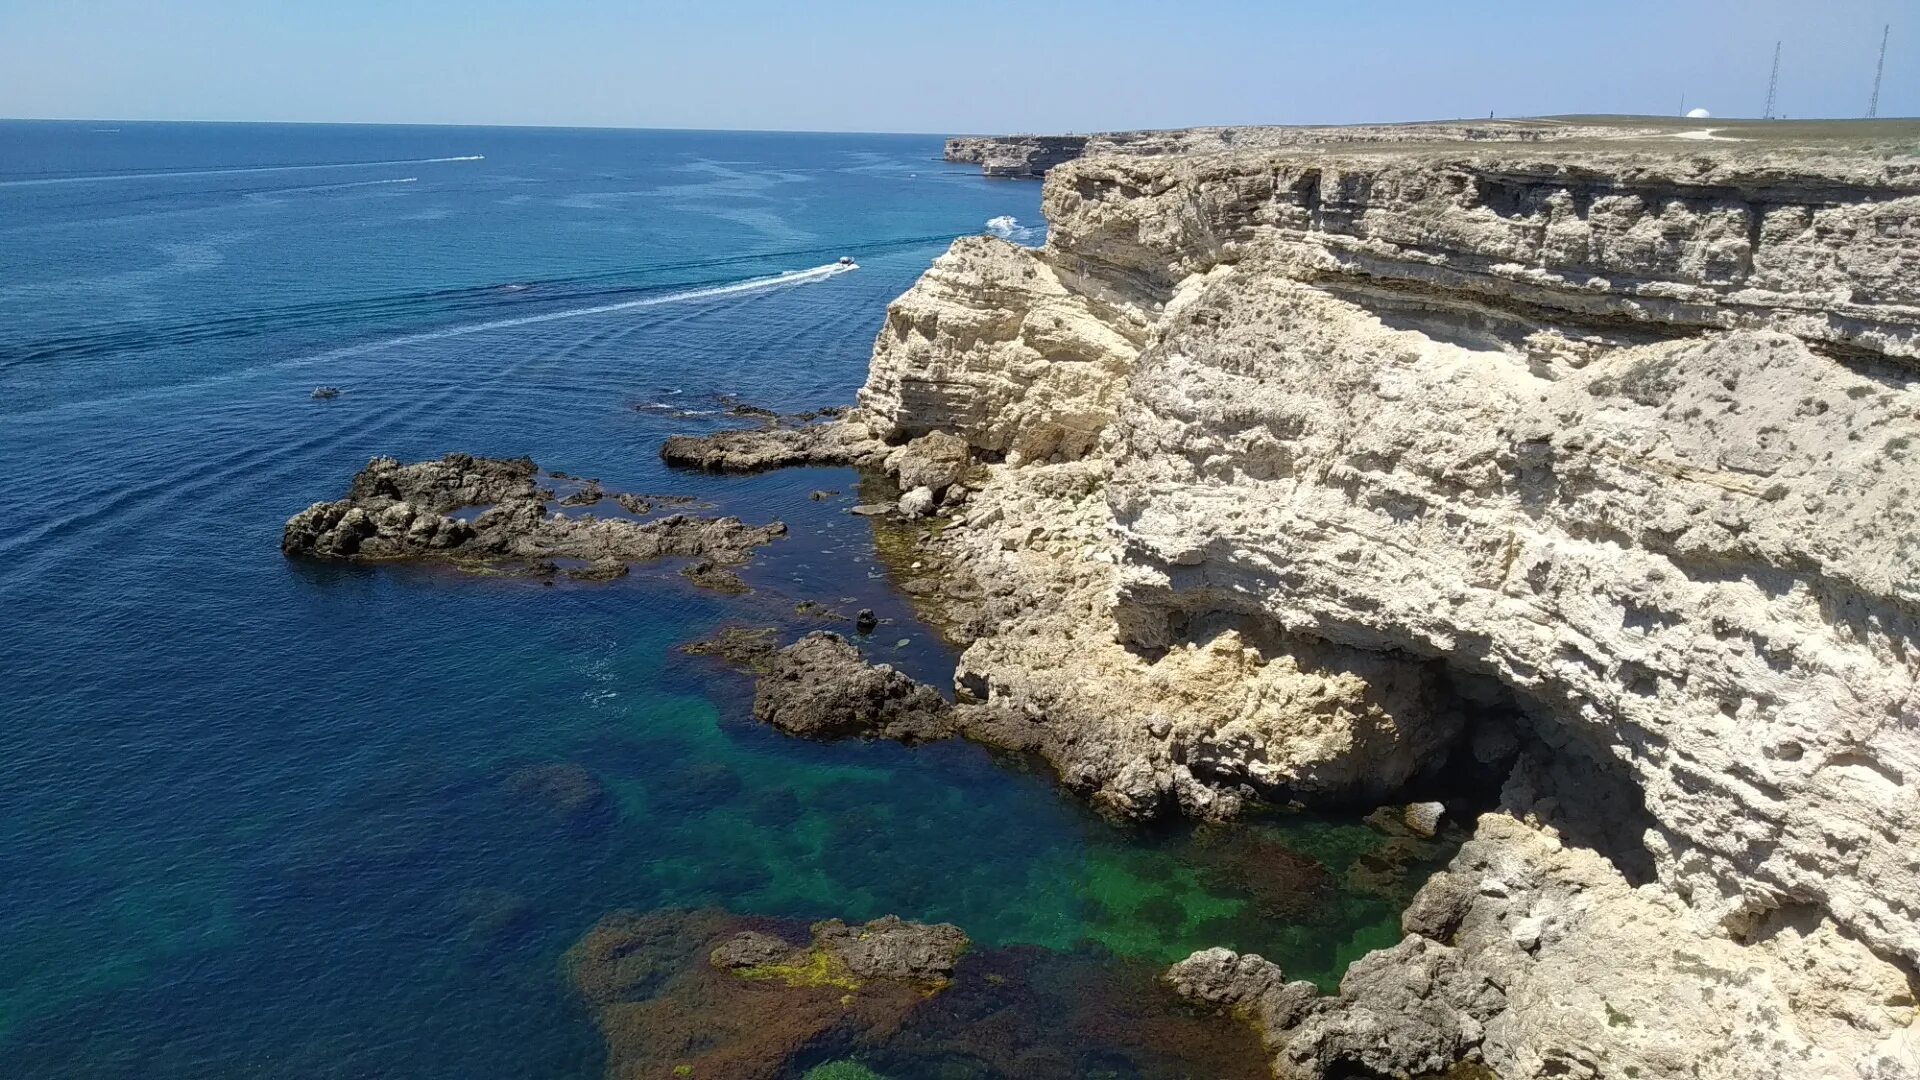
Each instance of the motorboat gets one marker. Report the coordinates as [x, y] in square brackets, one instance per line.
[847, 261]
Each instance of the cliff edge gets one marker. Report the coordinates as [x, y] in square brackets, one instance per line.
[1581, 468]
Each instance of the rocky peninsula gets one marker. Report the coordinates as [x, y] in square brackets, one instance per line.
[490, 514]
[1572, 461]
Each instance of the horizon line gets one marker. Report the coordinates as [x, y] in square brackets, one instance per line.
[941, 134]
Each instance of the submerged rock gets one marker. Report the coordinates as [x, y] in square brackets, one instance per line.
[396, 512]
[566, 791]
[706, 994]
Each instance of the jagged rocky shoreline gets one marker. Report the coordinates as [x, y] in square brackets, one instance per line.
[1585, 466]
[490, 514]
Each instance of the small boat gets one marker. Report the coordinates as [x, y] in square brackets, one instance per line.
[325, 393]
[847, 261]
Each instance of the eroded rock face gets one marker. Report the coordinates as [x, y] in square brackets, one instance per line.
[1536, 958]
[992, 346]
[1312, 466]
[1021, 157]
[395, 512]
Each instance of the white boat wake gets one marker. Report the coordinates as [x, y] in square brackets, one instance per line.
[1008, 228]
[107, 178]
[752, 285]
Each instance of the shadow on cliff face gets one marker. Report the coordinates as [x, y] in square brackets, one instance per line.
[1479, 744]
[1590, 798]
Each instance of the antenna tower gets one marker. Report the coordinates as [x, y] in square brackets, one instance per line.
[1773, 82]
[1873, 103]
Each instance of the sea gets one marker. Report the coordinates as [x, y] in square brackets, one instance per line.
[262, 817]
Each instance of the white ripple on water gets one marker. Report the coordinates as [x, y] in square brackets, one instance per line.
[117, 510]
[176, 391]
[124, 506]
[120, 508]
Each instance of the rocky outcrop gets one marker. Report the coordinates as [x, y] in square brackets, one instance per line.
[849, 956]
[1306, 473]
[993, 345]
[820, 687]
[756, 449]
[414, 512]
[1020, 157]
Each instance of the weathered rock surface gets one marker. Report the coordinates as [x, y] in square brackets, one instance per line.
[820, 687]
[394, 512]
[747, 648]
[886, 948]
[1032, 156]
[1308, 470]
[1023, 157]
[993, 347]
[830, 442]
[935, 461]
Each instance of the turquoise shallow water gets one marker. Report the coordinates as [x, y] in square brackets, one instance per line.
[269, 818]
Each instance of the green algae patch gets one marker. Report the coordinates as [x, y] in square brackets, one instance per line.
[814, 967]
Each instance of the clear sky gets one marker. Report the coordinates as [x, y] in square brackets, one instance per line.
[995, 66]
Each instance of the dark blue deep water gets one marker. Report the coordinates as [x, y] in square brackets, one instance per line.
[260, 818]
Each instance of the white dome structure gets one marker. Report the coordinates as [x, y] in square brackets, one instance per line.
[1699, 114]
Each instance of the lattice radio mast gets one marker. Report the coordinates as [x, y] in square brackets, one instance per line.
[1873, 103]
[1773, 82]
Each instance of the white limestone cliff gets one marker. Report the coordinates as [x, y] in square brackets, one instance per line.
[1306, 472]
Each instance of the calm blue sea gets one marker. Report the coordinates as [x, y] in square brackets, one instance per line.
[260, 818]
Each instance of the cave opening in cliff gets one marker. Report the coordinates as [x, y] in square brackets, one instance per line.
[1418, 730]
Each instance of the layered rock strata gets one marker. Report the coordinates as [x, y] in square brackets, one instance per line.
[1031, 156]
[396, 511]
[1296, 474]
[1023, 157]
